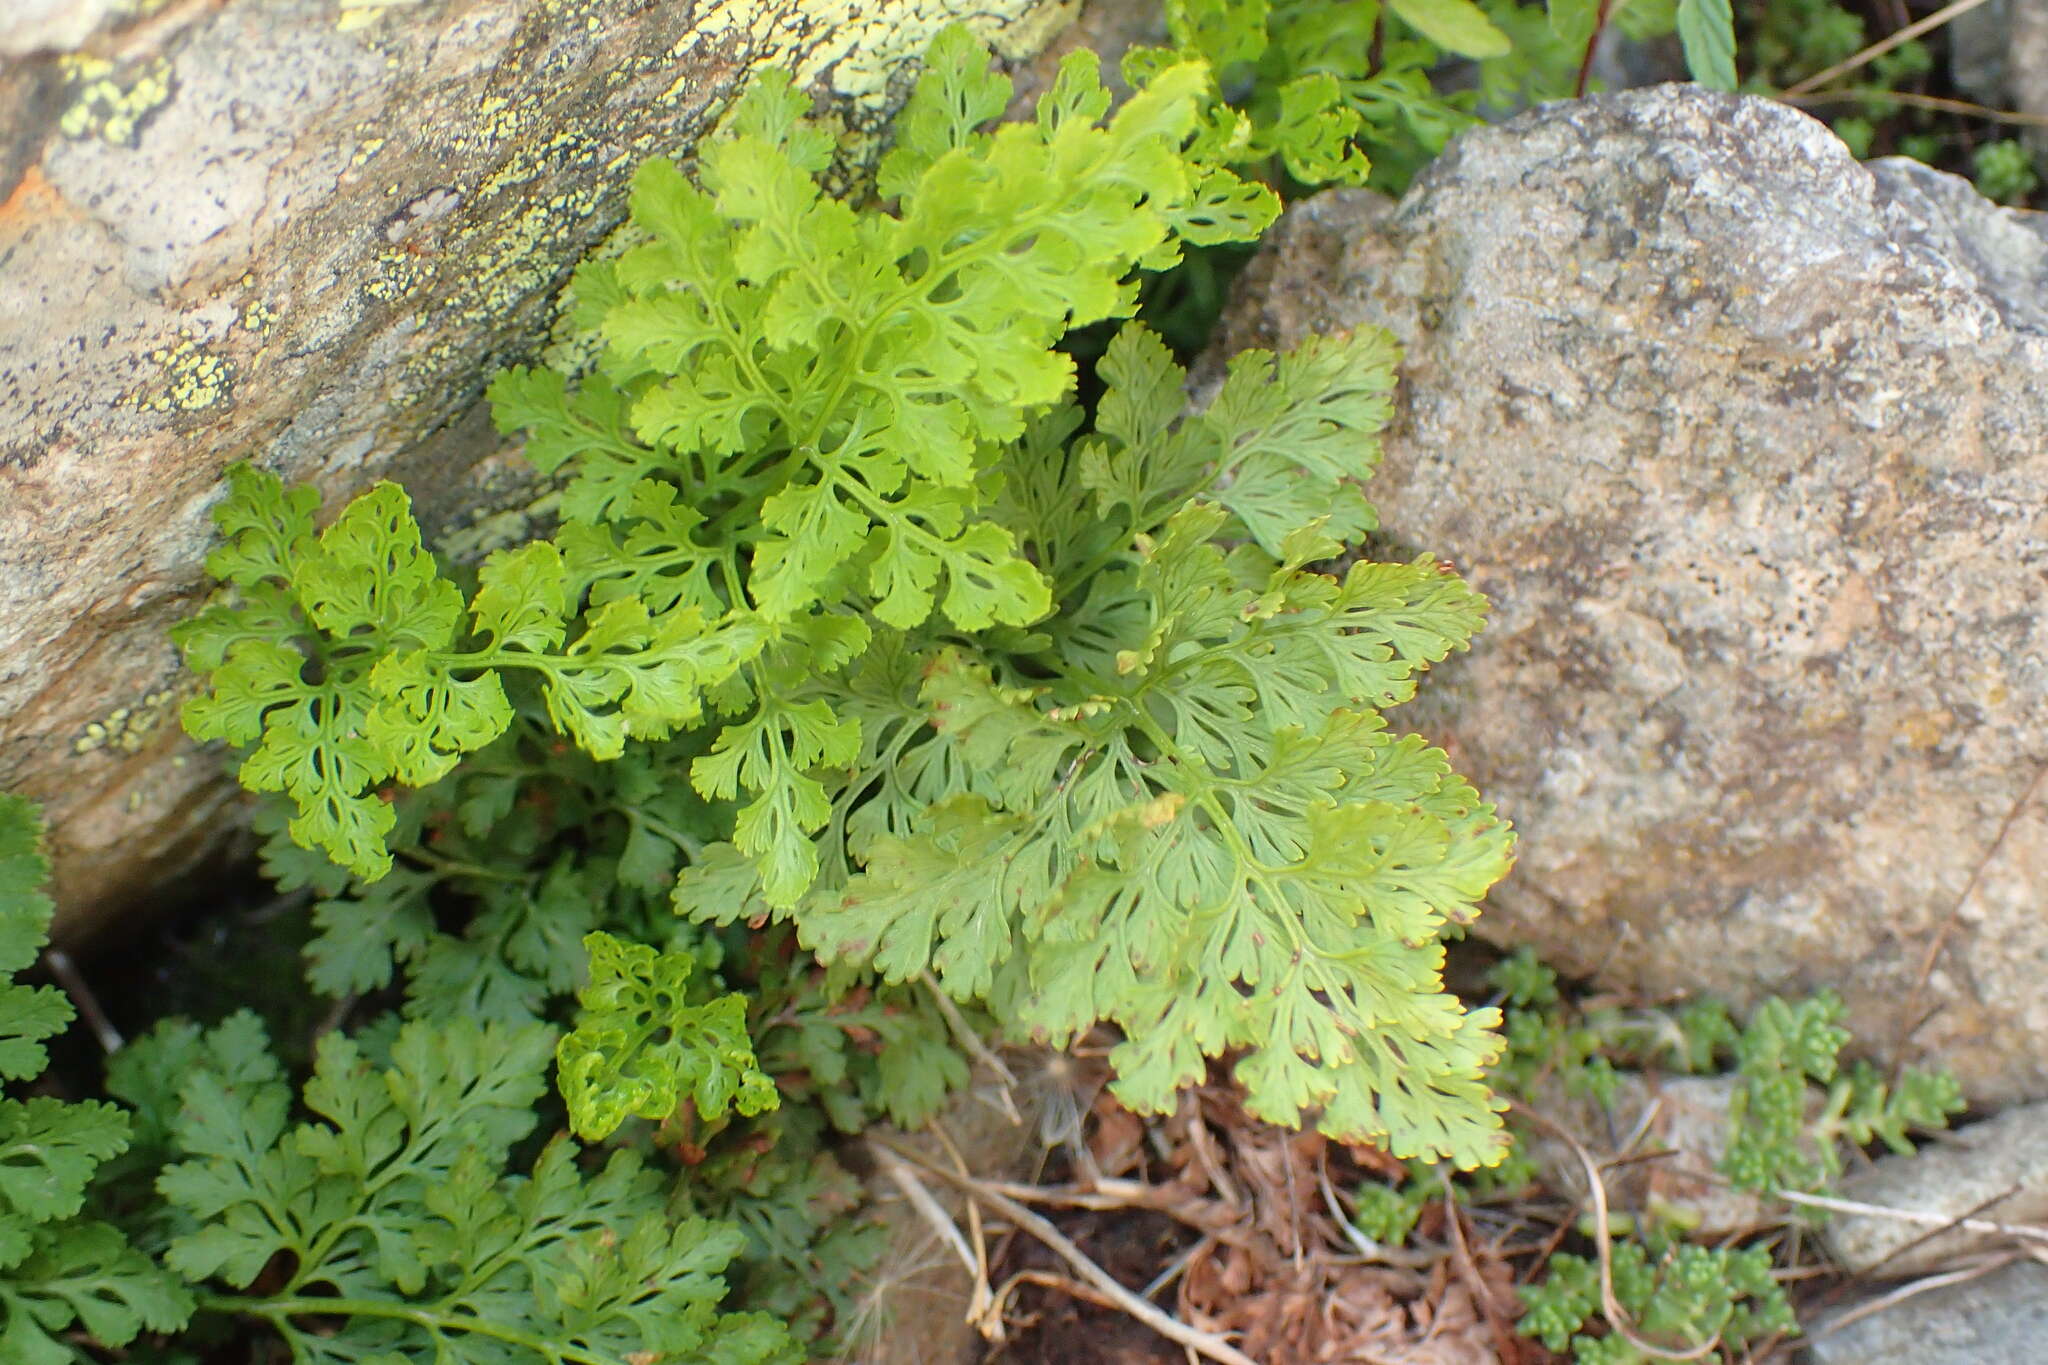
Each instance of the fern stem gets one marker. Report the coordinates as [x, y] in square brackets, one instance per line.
[280, 1312]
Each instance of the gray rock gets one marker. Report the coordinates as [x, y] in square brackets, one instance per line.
[1748, 444]
[2027, 66]
[1998, 55]
[1979, 42]
[2000, 1319]
[1991, 1173]
[305, 233]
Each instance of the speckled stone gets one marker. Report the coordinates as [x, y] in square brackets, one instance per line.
[1991, 1172]
[2000, 1319]
[1748, 444]
[303, 232]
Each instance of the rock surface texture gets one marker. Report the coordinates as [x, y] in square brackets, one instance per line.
[1998, 53]
[303, 232]
[1748, 444]
[2000, 1319]
[1993, 1174]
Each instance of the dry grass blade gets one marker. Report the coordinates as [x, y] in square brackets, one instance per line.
[1913, 1290]
[1939, 1222]
[905, 1178]
[1884, 45]
[73, 981]
[1206, 1344]
[1913, 101]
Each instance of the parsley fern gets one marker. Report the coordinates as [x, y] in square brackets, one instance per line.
[1069, 722]
[59, 1268]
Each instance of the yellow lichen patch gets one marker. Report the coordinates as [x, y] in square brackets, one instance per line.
[860, 43]
[398, 274]
[365, 149]
[109, 101]
[195, 378]
[360, 14]
[258, 317]
[126, 728]
[532, 210]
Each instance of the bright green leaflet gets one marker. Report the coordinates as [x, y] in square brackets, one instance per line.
[641, 1047]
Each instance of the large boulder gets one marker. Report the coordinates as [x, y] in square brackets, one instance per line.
[305, 233]
[1748, 444]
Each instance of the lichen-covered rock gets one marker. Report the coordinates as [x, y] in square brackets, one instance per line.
[1748, 444]
[303, 232]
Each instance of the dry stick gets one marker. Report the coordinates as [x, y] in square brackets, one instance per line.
[1603, 1242]
[1955, 911]
[73, 981]
[1600, 19]
[1174, 1270]
[1088, 1293]
[1906, 97]
[1940, 1222]
[1884, 45]
[1372, 1251]
[905, 1178]
[1907, 1291]
[976, 1048]
[981, 1311]
[1173, 1329]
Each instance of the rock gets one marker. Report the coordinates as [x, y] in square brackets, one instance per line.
[1977, 44]
[1999, 1319]
[1748, 444]
[303, 233]
[2027, 60]
[1998, 55]
[1995, 1171]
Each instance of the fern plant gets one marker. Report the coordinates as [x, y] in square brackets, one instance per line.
[62, 1270]
[1069, 722]
[391, 1223]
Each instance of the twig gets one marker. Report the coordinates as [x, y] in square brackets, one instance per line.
[1911, 100]
[1955, 910]
[1173, 1329]
[1940, 1222]
[73, 981]
[1907, 1291]
[1175, 1269]
[1884, 45]
[976, 1048]
[905, 1179]
[1600, 18]
[1366, 1246]
[981, 1309]
[1603, 1242]
[1468, 1271]
[1065, 1285]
